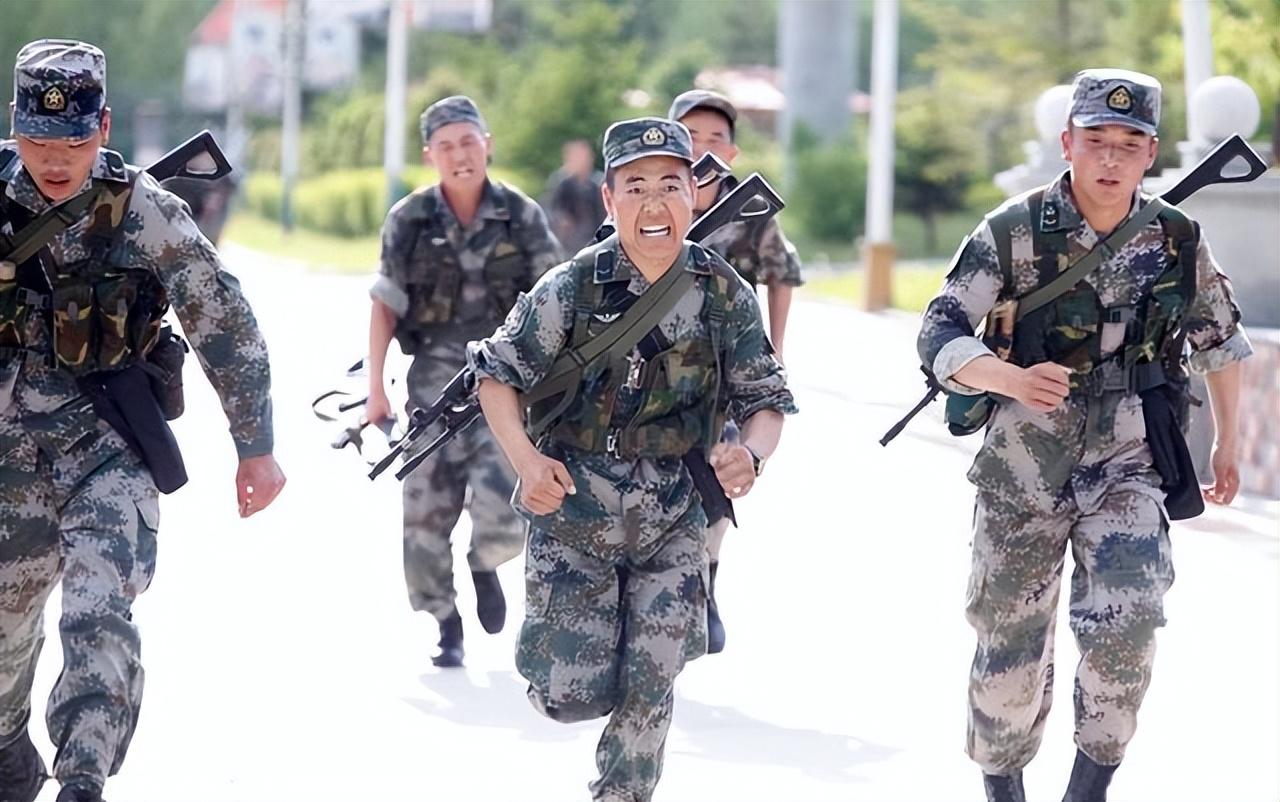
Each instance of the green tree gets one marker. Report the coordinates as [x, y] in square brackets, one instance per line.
[569, 85]
[933, 169]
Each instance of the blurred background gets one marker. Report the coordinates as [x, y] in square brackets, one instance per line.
[546, 71]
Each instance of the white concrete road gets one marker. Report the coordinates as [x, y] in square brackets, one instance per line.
[283, 662]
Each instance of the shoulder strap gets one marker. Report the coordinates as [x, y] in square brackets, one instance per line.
[1086, 263]
[1001, 224]
[620, 336]
[1183, 234]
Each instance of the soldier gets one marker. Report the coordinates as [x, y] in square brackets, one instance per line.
[760, 254]
[1071, 454]
[572, 198]
[76, 499]
[455, 255]
[616, 561]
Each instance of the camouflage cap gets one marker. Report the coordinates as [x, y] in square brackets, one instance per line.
[686, 102]
[59, 89]
[629, 140]
[1115, 97]
[455, 109]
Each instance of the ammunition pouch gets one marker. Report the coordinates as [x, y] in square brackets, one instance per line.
[164, 371]
[124, 399]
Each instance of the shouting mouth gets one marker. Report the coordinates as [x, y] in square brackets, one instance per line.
[655, 231]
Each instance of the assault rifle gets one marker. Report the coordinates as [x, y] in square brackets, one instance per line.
[752, 201]
[1218, 167]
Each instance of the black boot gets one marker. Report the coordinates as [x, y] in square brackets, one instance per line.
[21, 770]
[80, 792]
[491, 605]
[1004, 788]
[715, 627]
[450, 655]
[1089, 780]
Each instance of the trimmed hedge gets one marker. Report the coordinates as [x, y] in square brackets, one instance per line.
[344, 203]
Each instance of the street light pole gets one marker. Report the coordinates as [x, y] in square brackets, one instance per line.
[397, 70]
[879, 250]
[1197, 48]
[291, 124]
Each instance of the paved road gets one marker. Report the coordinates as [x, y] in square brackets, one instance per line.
[284, 664]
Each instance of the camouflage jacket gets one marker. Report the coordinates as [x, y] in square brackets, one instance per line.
[508, 226]
[761, 255]
[1024, 447]
[523, 349]
[158, 236]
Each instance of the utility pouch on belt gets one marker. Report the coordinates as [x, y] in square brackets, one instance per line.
[1182, 496]
[124, 399]
[164, 370]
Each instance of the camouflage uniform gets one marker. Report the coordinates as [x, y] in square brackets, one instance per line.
[1082, 475]
[75, 502]
[615, 588]
[420, 238]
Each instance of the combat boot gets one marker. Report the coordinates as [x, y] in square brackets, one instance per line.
[715, 627]
[1089, 780]
[450, 655]
[80, 791]
[1004, 788]
[21, 770]
[491, 605]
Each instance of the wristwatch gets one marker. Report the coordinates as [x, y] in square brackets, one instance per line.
[757, 461]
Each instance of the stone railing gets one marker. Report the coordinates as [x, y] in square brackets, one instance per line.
[1260, 416]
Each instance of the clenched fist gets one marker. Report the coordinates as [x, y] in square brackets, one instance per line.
[1041, 387]
[734, 468]
[544, 483]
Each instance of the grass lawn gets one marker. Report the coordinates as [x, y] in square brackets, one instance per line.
[321, 252]
[914, 283]
[913, 286]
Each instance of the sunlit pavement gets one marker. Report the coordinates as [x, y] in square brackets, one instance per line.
[283, 661]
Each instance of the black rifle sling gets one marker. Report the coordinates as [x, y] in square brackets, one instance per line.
[565, 375]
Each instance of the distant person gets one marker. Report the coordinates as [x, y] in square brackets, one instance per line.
[455, 256]
[209, 201]
[572, 199]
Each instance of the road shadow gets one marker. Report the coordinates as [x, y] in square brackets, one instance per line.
[491, 700]
[727, 735]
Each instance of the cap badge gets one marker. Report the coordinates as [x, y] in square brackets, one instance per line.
[54, 100]
[653, 137]
[1120, 99]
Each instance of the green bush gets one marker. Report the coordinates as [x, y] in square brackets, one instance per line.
[828, 200]
[344, 203]
[262, 193]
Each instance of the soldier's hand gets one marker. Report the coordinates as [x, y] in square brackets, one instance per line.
[378, 407]
[1041, 387]
[734, 468]
[1226, 475]
[544, 483]
[258, 482]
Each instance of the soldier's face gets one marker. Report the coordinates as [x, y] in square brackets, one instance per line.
[460, 154]
[652, 203]
[59, 167]
[1108, 162]
[711, 132]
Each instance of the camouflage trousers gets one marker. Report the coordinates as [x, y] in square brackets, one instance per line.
[604, 637]
[88, 516]
[1123, 568]
[468, 473]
